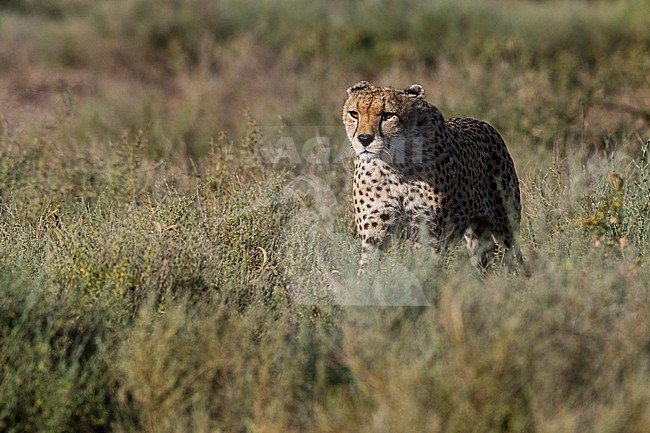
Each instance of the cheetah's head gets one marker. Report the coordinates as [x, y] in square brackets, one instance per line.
[380, 120]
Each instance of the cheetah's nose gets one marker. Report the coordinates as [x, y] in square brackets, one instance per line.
[365, 139]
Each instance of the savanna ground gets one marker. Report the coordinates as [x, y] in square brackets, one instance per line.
[177, 249]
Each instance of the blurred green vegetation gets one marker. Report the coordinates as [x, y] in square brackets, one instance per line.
[185, 69]
[169, 262]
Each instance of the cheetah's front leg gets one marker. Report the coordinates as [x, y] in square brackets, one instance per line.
[365, 258]
[373, 229]
[368, 246]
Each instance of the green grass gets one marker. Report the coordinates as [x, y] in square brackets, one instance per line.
[158, 273]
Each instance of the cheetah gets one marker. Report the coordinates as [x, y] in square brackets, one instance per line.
[453, 178]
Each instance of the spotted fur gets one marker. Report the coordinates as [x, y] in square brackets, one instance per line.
[453, 177]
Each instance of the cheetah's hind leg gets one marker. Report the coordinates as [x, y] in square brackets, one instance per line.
[480, 245]
[515, 261]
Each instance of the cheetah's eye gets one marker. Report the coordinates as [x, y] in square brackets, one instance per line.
[353, 114]
[388, 116]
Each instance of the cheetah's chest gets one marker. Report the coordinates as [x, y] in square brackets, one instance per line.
[375, 184]
[379, 189]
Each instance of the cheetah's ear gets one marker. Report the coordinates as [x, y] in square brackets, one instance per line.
[415, 90]
[359, 86]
